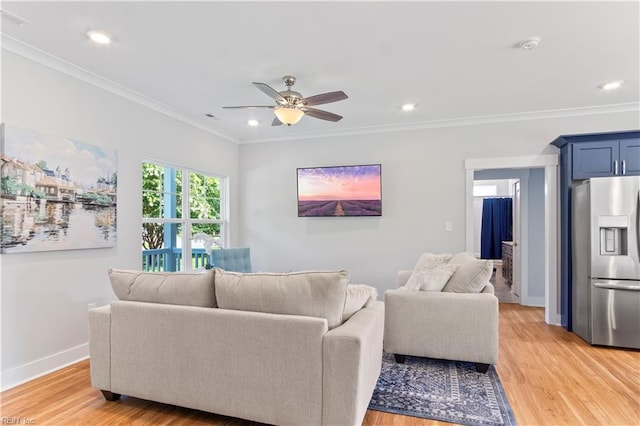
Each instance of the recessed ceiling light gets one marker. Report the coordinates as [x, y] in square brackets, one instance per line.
[612, 85]
[408, 107]
[99, 37]
[253, 123]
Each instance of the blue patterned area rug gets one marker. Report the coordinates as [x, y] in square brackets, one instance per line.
[450, 391]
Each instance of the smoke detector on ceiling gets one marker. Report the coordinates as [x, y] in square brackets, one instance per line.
[13, 18]
[530, 43]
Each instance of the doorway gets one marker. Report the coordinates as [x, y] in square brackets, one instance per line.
[548, 165]
[496, 205]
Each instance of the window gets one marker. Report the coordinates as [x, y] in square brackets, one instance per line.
[178, 203]
[484, 190]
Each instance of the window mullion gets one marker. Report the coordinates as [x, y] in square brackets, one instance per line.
[186, 216]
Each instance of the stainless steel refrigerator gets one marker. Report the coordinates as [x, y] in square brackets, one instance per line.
[606, 261]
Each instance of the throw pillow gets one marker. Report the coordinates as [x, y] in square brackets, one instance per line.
[434, 279]
[358, 296]
[319, 294]
[425, 262]
[174, 288]
[471, 276]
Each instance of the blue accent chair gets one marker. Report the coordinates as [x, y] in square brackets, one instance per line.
[232, 259]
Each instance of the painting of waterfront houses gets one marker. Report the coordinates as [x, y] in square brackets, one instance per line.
[56, 193]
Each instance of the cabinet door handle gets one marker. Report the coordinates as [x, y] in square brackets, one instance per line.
[624, 167]
[615, 168]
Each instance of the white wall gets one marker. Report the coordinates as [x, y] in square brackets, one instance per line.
[45, 295]
[423, 187]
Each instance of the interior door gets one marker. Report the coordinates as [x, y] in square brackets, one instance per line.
[515, 287]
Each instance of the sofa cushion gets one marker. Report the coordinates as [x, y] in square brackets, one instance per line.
[319, 294]
[471, 276]
[358, 296]
[435, 279]
[175, 288]
[425, 262]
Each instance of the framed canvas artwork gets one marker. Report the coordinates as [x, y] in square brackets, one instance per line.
[56, 193]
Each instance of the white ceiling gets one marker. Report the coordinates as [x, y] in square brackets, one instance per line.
[458, 61]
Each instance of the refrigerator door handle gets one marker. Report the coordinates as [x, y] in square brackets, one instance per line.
[617, 286]
[638, 226]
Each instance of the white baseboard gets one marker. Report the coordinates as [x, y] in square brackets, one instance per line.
[532, 301]
[554, 320]
[34, 369]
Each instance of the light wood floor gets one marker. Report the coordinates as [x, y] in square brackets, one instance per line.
[550, 376]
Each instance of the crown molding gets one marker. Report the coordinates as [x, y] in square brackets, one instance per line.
[18, 47]
[458, 122]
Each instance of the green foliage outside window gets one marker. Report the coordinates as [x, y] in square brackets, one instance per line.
[204, 202]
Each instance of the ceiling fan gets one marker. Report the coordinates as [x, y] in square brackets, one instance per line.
[291, 105]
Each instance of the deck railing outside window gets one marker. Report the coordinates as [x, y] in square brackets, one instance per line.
[170, 259]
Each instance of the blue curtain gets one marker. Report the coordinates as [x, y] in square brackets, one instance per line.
[496, 226]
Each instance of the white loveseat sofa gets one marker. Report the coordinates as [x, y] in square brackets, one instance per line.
[273, 348]
[459, 322]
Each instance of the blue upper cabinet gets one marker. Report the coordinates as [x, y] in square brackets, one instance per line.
[630, 157]
[595, 159]
[605, 157]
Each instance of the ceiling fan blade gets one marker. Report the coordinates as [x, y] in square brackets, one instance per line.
[249, 106]
[276, 122]
[323, 115]
[271, 92]
[325, 98]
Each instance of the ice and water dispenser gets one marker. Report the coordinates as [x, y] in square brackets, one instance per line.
[613, 235]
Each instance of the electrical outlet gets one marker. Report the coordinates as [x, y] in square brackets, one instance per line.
[448, 226]
[91, 305]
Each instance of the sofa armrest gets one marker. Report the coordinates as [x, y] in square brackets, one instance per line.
[352, 358]
[488, 288]
[402, 278]
[100, 347]
[459, 326]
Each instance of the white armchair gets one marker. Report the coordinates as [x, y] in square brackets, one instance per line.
[442, 325]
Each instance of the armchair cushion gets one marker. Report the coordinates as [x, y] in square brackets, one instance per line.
[471, 276]
[232, 259]
[422, 270]
[435, 279]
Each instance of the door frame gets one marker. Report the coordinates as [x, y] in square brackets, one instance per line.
[520, 279]
[551, 193]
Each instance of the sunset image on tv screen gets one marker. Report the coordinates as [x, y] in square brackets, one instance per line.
[340, 191]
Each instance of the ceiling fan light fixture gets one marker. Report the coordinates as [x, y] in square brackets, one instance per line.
[288, 115]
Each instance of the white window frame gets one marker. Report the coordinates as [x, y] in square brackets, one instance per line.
[186, 222]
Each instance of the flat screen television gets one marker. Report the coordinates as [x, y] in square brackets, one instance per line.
[340, 191]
